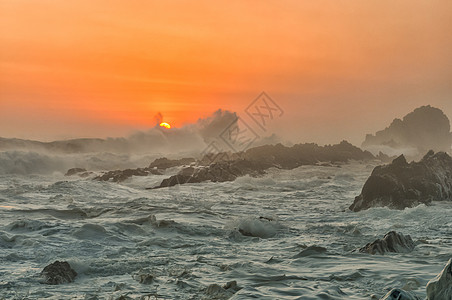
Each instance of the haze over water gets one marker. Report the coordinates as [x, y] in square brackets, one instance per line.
[165, 150]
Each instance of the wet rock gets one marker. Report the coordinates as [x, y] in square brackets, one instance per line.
[216, 172]
[254, 161]
[399, 294]
[165, 163]
[440, 287]
[74, 171]
[401, 184]
[215, 291]
[262, 228]
[391, 242]
[58, 273]
[121, 175]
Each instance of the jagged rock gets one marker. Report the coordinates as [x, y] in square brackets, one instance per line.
[440, 287]
[391, 242]
[74, 171]
[58, 273]
[400, 184]
[305, 154]
[121, 175]
[215, 291]
[423, 129]
[165, 163]
[216, 172]
[256, 160]
[399, 294]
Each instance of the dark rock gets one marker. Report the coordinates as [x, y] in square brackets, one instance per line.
[216, 172]
[399, 294]
[74, 171]
[165, 163]
[305, 154]
[121, 175]
[58, 273]
[423, 129]
[256, 160]
[391, 242]
[441, 286]
[215, 291]
[400, 184]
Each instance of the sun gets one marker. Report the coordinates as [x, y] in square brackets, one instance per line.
[166, 125]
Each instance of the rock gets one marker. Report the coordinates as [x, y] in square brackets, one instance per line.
[440, 288]
[423, 129]
[391, 242]
[258, 227]
[58, 273]
[165, 163]
[305, 154]
[311, 250]
[399, 294]
[215, 291]
[256, 160]
[121, 175]
[217, 172]
[74, 171]
[401, 184]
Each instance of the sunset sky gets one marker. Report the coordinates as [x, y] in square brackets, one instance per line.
[338, 69]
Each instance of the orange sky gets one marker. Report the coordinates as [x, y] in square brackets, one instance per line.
[339, 69]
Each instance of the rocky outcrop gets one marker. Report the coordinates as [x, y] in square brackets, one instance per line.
[216, 172]
[401, 184]
[58, 273]
[399, 294]
[215, 291]
[165, 163]
[441, 287]
[121, 175]
[74, 171]
[256, 160]
[391, 242]
[305, 154]
[423, 129]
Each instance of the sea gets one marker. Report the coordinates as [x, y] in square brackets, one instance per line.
[285, 235]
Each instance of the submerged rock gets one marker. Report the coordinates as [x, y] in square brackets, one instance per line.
[440, 288]
[401, 184]
[391, 242]
[58, 273]
[261, 227]
[399, 294]
[310, 251]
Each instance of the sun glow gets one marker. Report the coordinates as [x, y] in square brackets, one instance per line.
[166, 125]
